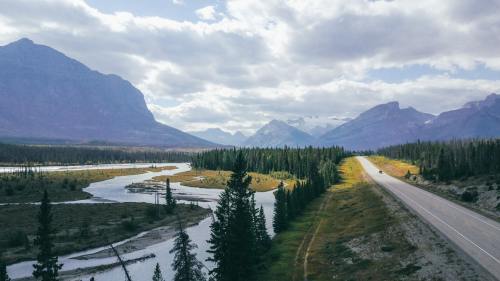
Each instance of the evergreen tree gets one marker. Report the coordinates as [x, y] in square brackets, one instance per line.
[3, 272]
[219, 237]
[170, 201]
[186, 266]
[263, 238]
[47, 266]
[280, 220]
[233, 239]
[157, 276]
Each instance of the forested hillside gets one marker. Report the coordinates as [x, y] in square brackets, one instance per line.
[450, 160]
[43, 155]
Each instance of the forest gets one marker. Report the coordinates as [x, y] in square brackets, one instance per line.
[12, 154]
[450, 160]
[296, 161]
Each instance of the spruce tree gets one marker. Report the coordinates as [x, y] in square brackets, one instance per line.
[157, 276]
[263, 238]
[47, 266]
[233, 239]
[280, 219]
[3, 272]
[170, 201]
[185, 265]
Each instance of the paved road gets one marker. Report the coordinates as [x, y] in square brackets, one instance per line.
[476, 235]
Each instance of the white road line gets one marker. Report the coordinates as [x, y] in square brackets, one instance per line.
[433, 196]
[451, 227]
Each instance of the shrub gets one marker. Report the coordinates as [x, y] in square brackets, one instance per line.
[129, 225]
[469, 196]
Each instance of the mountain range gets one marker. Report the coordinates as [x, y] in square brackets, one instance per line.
[47, 95]
[278, 134]
[389, 124]
[219, 136]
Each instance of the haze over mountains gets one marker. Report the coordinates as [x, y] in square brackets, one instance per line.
[219, 136]
[46, 95]
[278, 134]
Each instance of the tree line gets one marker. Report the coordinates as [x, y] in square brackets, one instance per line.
[296, 161]
[450, 160]
[44, 155]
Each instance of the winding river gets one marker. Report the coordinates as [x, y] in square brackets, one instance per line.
[113, 190]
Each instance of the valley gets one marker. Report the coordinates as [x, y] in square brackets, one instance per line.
[255, 140]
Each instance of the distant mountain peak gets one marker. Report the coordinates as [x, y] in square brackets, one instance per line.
[23, 41]
[488, 101]
[278, 133]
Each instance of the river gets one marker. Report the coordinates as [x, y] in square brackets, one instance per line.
[113, 190]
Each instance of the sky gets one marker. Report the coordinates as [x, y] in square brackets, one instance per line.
[238, 64]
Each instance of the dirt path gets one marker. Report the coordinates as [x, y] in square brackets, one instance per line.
[309, 238]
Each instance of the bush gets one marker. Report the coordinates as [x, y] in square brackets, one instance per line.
[130, 225]
[469, 196]
[17, 239]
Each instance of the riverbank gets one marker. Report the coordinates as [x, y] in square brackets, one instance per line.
[218, 179]
[85, 226]
[61, 185]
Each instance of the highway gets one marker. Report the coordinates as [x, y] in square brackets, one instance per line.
[476, 235]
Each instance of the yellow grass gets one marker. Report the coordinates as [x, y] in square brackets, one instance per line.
[218, 179]
[393, 167]
[105, 174]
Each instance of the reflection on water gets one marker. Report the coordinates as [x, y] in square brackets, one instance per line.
[113, 190]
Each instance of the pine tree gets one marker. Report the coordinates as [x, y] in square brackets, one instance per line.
[263, 238]
[157, 276]
[3, 272]
[219, 237]
[47, 267]
[233, 239]
[170, 201]
[186, 266]
[280, 219]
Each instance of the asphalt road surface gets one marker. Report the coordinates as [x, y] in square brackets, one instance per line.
[476, 235]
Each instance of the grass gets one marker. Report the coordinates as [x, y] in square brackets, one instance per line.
[395, 168]
[348, 212]
[62, 185]
[218, 179]
[82, 226]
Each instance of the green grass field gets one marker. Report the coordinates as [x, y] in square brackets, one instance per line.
[348, 212]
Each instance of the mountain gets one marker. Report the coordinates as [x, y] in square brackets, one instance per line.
[217, 135]
[46, 95]
[317, 125]
[380, 126]
[477, 119]
[278, 134]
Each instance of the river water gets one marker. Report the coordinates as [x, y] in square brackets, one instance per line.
[113, 191]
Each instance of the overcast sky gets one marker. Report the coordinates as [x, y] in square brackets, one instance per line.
[238, 64]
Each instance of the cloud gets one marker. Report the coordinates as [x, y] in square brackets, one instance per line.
[206, 13]
[246, 62]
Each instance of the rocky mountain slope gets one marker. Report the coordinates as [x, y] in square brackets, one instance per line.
[47, 95]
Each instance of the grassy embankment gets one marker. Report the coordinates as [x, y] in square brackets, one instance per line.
[395, 168]
[348, 212]
[218, 179]
[62, 185]
[83, 226]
